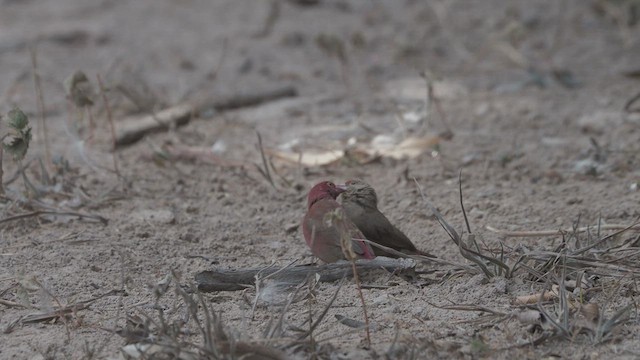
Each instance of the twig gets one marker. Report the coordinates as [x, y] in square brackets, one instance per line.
[40, 100]
[350, 255]
[464, 213]
[507, 233]
[322, 315]
[356, 278]
[1, 170]
[58, 312]
[270, 21]
[265, 172]
[223, 56]
[421, 258]
[99, 218]
[630, 102]
[112, 127]
[448, 133]
[469, 254]
[11, 304]
[469, 307]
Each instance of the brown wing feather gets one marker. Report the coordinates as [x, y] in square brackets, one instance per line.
[377, 228]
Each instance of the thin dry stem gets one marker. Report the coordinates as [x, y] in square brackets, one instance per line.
[540, 233]
[432, 98]
[41, 107]
[1, 170]
[112, 126]
[265, 170]
[347, 249]
[101, 219]
[364, 305]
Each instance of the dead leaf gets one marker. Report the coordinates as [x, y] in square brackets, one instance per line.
[410, 147]
[308, 158]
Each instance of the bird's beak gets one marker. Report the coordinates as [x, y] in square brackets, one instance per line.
[342, 187]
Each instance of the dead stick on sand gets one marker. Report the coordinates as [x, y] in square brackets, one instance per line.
[233, 280]
[133, 129]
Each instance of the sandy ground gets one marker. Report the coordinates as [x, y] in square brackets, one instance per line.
[533, 92]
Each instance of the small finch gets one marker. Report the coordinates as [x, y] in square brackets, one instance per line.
[326, 227]
[360, 203]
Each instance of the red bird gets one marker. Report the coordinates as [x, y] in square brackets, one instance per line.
[325, 225]
[360, 203]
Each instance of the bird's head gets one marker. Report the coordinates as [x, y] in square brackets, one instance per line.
[323, 190]
[357, 190]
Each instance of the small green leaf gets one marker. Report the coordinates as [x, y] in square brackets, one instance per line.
[17, 119]
[18, 145]
[20, 135]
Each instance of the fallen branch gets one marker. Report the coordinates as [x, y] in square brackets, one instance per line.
[233, 280]
[133, 129]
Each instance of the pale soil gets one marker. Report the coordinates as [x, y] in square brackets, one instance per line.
[520, 145]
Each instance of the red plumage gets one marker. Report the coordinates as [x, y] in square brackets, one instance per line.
[325, 224]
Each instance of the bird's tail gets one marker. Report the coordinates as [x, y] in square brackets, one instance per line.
[426, 254]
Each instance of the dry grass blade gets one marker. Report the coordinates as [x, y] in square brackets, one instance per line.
[324, 312]
[112, 127]
[52, 315]
[1, 171]
[431, 98]
[563, 296]
[564, 331]
[605, 328]
[57, 312]
[469, 254]
[628, 106]
[453, 234]
[421, 258]
[41, 106]
[13, 304]
[349, 254]
[549, 260]
[464, 212]
[635, 225]
[218, 343]
[266, 173]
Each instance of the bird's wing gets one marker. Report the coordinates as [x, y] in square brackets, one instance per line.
[377, 228]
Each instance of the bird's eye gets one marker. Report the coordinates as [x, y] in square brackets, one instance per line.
[331, 184]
